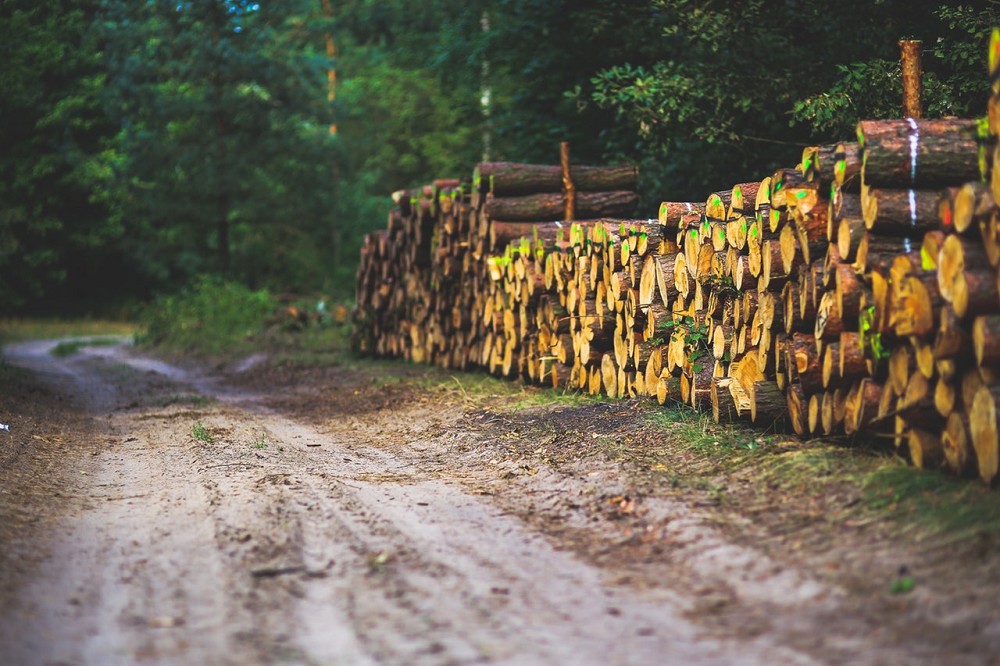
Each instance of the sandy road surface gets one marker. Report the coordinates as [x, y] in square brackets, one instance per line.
[375, 535]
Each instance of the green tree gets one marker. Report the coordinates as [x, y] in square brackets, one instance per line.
[736, 89]
[225, 154]
[54, 233]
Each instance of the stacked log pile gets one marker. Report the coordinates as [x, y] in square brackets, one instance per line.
[457, 277]
[855, 294]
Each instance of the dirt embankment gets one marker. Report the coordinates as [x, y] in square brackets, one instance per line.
[157, 515]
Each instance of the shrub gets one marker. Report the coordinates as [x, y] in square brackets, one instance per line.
[208, 318]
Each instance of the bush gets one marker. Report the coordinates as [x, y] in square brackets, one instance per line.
[208, 318]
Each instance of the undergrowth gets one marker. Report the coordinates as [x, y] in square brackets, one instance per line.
[209, 318]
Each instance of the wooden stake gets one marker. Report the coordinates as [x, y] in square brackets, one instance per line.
[909, 56]
[569, 191]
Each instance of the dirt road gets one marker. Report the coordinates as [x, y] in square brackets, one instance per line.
[153, 514]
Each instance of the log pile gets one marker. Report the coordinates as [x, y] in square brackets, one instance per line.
[457, 277]
[854, 294]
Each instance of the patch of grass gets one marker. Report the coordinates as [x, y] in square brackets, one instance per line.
[722, 444]
[260, 442]
[201, 433]
[196, 400]
[314, 347]
[483, 390]
[71, 347]
[211, 318]
[933, 502]
[18, 330]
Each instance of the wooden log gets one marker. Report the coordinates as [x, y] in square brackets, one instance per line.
[986, 339]
[743, 200]
[861, 405]
[808, 367]
[847, 166]
[671, 213]
[832, 412]
[668, 389]
[956, 444]
[925, 448]
[509, 179]
[549, 207]
[796, 401]
[818, 163]
[899, 212]
[768, 408]
[973, 202]
[983, 430]
[989, 233]
[781, 181]
[919, 153]
[850, 231]
[829, 324]
[965, 277]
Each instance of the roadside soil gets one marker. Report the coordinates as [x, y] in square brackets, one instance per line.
[363, 514]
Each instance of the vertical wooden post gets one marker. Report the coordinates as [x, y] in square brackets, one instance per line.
[909, 59]
[569, 191]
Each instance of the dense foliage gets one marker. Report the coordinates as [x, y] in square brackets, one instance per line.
[148, 143]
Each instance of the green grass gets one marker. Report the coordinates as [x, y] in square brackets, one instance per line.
[196, 400]
[18, 330]
[211, 318]
[199, 432]
[260, 442]
[312, 347]
[71, 347]
[932, 502]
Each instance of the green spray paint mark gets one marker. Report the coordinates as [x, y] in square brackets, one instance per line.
[801, 194]
[926, 260]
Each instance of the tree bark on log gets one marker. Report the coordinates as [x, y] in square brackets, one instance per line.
[549, 207]
[899, 212]
[919, 153]
[505, 179]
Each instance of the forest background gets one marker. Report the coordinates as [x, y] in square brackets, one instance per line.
[147, 146]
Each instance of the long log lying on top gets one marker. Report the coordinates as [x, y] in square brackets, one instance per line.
[549, 207]
[506, 179]
[920, 153]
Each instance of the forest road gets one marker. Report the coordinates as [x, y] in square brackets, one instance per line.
[175, 519]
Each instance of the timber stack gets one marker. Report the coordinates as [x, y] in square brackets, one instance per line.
[854, 294]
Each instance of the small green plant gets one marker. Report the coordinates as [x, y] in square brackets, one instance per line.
[199, 432]
[694, 335]
[902, 586]
[723, 285]
[260, 442]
